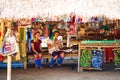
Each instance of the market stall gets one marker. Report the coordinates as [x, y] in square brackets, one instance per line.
[97, 54]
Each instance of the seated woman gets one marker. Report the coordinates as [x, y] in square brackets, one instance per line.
[54, 46]
[37, 49]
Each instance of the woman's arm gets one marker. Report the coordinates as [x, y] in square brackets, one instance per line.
[40, 48]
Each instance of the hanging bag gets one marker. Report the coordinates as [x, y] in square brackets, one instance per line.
[9, 44]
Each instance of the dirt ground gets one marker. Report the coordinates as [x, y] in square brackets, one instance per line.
[64, 73]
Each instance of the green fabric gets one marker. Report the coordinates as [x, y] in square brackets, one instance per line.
[85, 59]
[52, 37]
[100, 41]
[104, 27]
[21, 34]
[117, 61]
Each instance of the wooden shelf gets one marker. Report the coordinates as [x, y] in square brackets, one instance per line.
[90, 68]
[116, 68]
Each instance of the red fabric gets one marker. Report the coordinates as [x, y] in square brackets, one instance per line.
[115, 32]
[1, 57]
[109, 54]
[72, 20]
[37, 45]
[0, 34]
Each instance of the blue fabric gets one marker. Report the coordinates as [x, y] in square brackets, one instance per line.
[38, 63]
[57, 53]
[52, 63]
[13, 64]
[60, 60]
[97, 59]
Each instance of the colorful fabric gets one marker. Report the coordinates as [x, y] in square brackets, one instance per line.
[97, 58]
[85, 58]
[104, 27]
[109, 54]
[1, 57]
[21, 30]
[9, 46]
[117, 59]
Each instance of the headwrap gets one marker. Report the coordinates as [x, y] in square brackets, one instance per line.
[53, 31]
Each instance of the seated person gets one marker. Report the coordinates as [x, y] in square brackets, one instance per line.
[54, 46]
[37, 49]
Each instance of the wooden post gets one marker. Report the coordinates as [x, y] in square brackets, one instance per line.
[9, 67]
[68, 39]
[79, 51]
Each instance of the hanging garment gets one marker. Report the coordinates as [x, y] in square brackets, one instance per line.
[17, 56]
[117, 58]
[1, 57]
[97, 58]
[85, 58]
[109, 55]
[1, 31]
[29, 38]
[72, 29]
[22, 41]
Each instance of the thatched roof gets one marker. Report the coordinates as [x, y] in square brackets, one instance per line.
[30, 8]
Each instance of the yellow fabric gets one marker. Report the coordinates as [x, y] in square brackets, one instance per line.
[18, 53]
[23, 49]
[1, 31]
[23, 42]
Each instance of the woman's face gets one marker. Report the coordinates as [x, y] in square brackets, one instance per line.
[56, 34]
[36, 26]
[37, 35]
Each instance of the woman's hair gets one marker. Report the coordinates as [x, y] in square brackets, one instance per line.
[36, 33]
[55, 32]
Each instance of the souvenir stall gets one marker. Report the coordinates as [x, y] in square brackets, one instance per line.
[99, 44]
[95, 36]
[74, 31]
